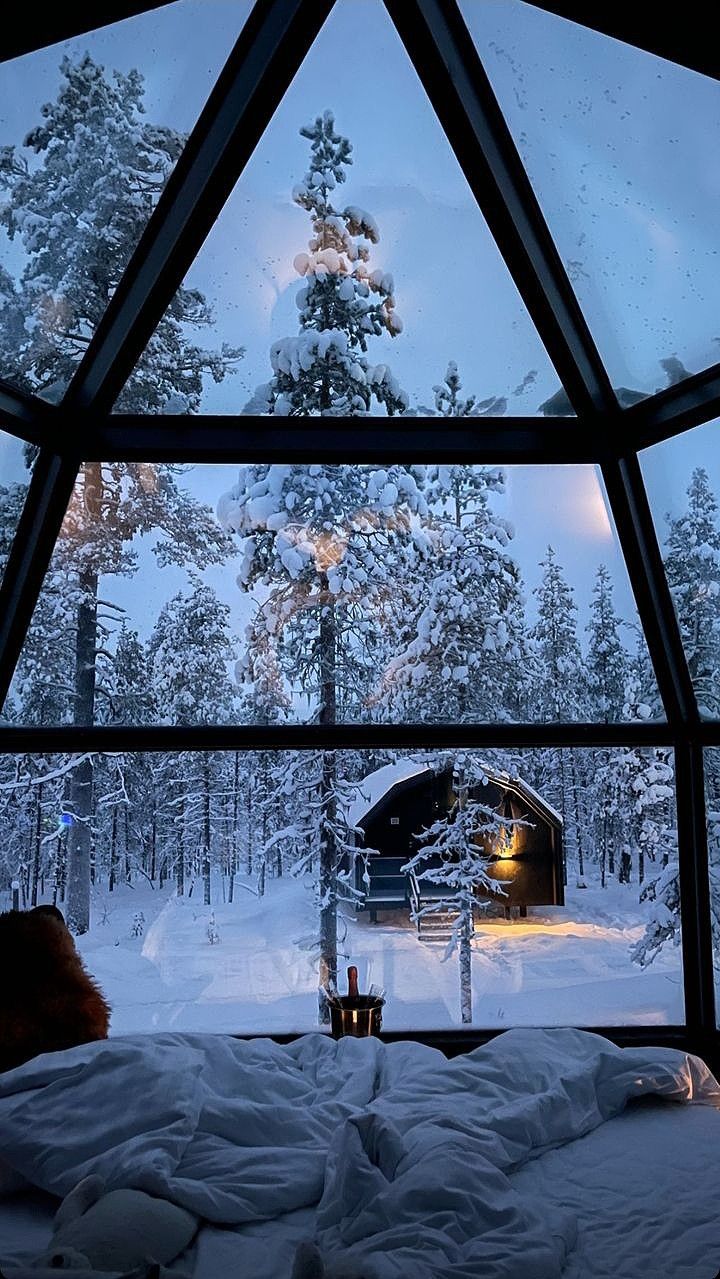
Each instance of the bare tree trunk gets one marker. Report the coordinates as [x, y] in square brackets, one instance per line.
[113, 851]
[465, 957]
[180, 845]
[249, 861]
[328, 848]
[206, 827]
[153, 839]
[81, 791]
[126, 842]
[37, 846]
[577, 822]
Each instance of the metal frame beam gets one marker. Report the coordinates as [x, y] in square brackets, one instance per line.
[24, 415]
[695, 914]
[342, 440]
[636, 531]
[679, 408]
[47, 498]
[310, 736]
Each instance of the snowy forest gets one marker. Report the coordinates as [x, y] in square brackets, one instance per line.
[369, 594]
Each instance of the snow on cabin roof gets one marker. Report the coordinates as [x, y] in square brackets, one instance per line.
[373, 787]
[533, 794]
[376, 785]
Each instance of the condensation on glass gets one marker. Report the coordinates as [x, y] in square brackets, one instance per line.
[620, 147]
[90, 130]
[212, 594]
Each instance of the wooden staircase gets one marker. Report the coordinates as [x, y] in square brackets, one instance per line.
[438, 924]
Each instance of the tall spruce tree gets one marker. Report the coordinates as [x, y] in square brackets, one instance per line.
[692, 562]
[78, 196]
[190, 650]
[343, 303]
[320, 540]
[606, 669]
[606, 664]
[560, 696]
[459, 620]
[455, 854]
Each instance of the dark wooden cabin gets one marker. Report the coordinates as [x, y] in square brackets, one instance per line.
[402, 799]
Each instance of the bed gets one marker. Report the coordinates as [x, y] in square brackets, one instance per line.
[542, 1154]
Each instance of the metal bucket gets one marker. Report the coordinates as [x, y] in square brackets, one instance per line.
[360, 1015]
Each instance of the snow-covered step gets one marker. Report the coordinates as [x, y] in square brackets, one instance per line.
[436, 927]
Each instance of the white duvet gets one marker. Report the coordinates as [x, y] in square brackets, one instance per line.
[408, 1156]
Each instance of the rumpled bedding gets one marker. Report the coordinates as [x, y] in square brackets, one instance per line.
[407, 1156]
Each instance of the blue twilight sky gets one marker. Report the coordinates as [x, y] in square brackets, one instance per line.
[618, 146]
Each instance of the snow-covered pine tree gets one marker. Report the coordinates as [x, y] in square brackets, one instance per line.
[606, 663]
[324, 369]
[459, 615]
[450, 403]
[655, 835]
[455, 853]
[560, 696]
[78, 205]
[320, 539]
[190, 651]
[606, 672]
[322, 542]
[130, 695]
[78, 196]
[692, 562]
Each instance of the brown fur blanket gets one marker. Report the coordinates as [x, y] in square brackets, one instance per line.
[47, 999]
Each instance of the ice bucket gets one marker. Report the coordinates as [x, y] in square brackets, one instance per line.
[357, 1015]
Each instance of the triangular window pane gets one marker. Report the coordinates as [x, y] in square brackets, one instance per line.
[453, 291]
[683, 482]
[345, 594]
[90, 130]
[14, 480]
[621, 149]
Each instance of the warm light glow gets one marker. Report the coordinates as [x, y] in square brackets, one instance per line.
[329, 549]
[507, 843]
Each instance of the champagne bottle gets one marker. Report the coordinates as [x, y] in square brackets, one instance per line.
[353, 992]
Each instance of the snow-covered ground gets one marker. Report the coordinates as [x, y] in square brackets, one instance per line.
[568, 965]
